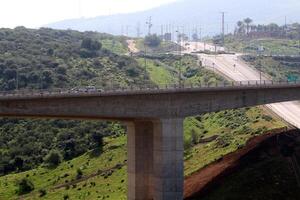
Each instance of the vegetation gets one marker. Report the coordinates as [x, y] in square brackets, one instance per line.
[25, 143]
[271, 39]
[231, 128]
[25, 186]
[152, 40]
[53, 159]
[107, 176]
[266, 46]
[82, 174]
[278, 68]
[247, 29]
[46, 59]
[162, 48]
[172, 69]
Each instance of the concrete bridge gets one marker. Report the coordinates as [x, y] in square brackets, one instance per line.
[154, 119]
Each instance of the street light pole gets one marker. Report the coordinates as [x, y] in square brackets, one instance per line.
[145, 59]
[180, 61]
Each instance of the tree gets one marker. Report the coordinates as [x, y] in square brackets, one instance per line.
[90, 44]
[53, 159]
[248, 21]
[18, 163]
[241, 26]
[152, 40]
[25, 186]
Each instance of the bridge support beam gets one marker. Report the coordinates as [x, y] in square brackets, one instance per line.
[155, 159]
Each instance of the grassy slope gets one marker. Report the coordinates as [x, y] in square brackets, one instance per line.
[277, 69]
[114, 46]
[113, 186]
[234, 128]
[272, 46]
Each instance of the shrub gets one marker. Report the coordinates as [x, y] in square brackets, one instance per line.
[92, 45]
[79, 173]
[25, 186]
[267, 118]
[53, 159]
[66, 197]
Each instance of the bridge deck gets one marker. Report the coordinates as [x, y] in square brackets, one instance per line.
[143, 90]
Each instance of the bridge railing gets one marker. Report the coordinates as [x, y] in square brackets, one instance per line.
[146, 87]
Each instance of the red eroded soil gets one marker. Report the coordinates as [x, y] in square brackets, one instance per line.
[201, 181]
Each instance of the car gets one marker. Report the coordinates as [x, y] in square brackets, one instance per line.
[91, 89]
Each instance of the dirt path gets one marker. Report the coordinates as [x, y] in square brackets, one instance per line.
[85, 178]
[200, 181]
[132, 46]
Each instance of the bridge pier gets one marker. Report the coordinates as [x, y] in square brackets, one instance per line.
[155, 159]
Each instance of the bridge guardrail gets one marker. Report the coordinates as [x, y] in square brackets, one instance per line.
[118, 88]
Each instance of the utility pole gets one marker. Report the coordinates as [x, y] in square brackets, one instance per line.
[200, 34]
[79, 9]
[285, 26]
[285, 23]
[149, 23]
[127, 28]
[138, 30]
[179, 37]
[122, 30]
[145, 60]
[223, 27]
[197, 38]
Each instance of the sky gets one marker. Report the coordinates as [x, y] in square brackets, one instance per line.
[35, 13]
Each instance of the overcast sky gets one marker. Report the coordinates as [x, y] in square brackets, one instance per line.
[35, 13]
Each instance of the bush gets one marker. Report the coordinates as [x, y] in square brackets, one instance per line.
[25, 186]
[92, 45]
[79, 174]
[53, 159]
[66, 197]
[267, 118]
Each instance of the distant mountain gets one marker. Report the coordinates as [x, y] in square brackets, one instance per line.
[190, 13]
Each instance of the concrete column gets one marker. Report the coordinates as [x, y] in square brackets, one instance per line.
[168, 159]
[155, 160]
[140, 160]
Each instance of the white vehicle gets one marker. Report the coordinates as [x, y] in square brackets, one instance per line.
[91, 89]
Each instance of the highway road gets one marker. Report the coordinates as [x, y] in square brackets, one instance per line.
[234, 68]
[200, 46]
[237, 70]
